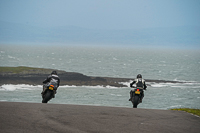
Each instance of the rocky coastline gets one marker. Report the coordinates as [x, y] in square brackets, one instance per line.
[35, 76]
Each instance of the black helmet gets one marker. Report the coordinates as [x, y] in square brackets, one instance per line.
[54, 72]
[139, 76]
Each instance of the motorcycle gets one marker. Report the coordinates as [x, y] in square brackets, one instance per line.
[48, 92]
[136, 96]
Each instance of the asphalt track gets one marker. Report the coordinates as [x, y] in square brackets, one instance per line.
[60, 118]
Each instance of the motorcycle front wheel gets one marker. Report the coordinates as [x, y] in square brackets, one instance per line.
[47, 97]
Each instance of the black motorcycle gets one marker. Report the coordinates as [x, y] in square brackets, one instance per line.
[48, 92]
[137, 94]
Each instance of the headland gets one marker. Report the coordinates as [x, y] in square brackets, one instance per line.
[35, 76]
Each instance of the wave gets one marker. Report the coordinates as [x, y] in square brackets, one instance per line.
[191, 84]
[85, 86]
[175, 106]
[126, 83]
[11, 87]
[118, 95]
[158, 85]
[176, 85]
[188, 84]
[182, 84]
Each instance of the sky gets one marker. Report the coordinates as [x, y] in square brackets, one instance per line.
[102, 14]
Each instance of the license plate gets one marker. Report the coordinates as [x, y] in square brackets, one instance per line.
[137, 92]
[50, 88]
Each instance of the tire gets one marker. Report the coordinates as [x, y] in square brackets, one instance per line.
[136, 101]
[47, 97]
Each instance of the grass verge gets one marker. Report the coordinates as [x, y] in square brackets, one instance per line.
[189, 110]
[16, 69]
[25, 70]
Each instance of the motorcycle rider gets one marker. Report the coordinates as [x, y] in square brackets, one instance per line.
[51, 79]
[140, 83]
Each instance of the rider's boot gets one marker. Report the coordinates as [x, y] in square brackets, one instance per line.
[141, 99]
[44, 88]
[131, 95]
[129, 99]
[54, 93]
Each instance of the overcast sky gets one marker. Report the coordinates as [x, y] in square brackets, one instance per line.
[102, 14]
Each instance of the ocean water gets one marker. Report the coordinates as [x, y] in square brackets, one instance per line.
[174, 65]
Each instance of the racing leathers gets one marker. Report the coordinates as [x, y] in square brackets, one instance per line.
[51, 79]
[140, 84]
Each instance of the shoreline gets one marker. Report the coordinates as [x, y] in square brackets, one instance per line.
[35, 76]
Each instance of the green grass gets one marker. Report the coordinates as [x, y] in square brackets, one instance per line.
[16, 69]
[189, 110]
[26, 70]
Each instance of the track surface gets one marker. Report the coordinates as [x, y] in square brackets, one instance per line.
[53, 118]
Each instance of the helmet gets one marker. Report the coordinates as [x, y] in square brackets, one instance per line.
[54, 72]
[139, 76]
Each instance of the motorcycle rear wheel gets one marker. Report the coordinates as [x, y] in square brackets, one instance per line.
[47, 97]
[136, 101]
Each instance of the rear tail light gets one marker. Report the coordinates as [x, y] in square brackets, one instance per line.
[51, 85]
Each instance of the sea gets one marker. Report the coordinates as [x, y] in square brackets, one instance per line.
[121, 62]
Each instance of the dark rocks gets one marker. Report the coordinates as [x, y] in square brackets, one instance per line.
[35, 76]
